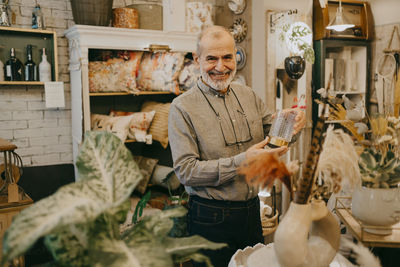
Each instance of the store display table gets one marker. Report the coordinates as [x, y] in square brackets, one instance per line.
[357, 228]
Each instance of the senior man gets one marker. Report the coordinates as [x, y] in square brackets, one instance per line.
[213, 128]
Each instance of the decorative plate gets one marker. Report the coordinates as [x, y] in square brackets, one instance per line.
[239, 30]
[240, 57]
[237, 6]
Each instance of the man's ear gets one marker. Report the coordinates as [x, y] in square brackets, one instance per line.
[195, 57]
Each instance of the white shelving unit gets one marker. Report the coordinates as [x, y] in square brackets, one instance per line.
[83, 37]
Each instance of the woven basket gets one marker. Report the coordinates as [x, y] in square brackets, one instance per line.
[92, 12]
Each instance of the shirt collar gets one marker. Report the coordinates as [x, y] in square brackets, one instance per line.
[207, 89]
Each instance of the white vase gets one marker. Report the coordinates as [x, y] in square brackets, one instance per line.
[309, 235]
[377, 207]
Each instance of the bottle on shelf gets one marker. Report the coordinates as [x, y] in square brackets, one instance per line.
[44, 68]
[30, 66]
[37, 18]
[1, 71]
[13, 68]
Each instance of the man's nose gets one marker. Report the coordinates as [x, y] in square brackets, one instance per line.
[220, 65]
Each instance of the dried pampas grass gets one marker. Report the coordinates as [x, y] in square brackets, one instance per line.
[338, 162]
[362, 255]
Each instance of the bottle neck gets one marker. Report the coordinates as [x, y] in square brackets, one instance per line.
[12, 53]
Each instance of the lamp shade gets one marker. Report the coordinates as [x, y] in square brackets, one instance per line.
[339, 23]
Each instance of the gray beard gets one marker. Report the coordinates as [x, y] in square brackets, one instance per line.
[218, 86]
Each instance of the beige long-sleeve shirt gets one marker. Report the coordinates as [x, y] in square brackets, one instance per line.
[209, 134]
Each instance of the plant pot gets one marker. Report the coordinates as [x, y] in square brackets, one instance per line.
[378, 207]
[92, 12]
[295, 66]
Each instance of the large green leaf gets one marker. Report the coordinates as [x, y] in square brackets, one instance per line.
[108, 175]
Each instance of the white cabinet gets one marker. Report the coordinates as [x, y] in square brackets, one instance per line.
[83, 37]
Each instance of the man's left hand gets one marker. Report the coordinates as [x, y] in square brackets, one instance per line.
[300, 120]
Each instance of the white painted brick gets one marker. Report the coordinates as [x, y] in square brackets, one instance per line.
[64, 77]
[28, 133]
[12, 105]
[21, 142]
[27, 115]
[63, 51]
[21, 94]
[53, 4]
[66, 157]
[64, 122]
[42, 141]
[63, 148]
[15, 9]
[6, 134]
[56, 22]
[63, 69]
[36, 105]
[30, 151]
[60, 114]
[65, 139]
[69, 5]
[23, 20]
[5, 115]
[56, 131]
[9, 125]
[61, 14]
[48, 159]
[70, 23]
[29, 3]
[62, 42]
[52, 123]
[118, 3]
[26, 161]
[26, 11]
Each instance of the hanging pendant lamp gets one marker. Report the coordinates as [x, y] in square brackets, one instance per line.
[339, 23]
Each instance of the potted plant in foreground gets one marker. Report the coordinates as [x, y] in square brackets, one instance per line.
[81, 221]
[377, 202]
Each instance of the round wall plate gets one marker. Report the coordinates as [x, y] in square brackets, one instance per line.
[237, 6]
[240, 57]
[239, 30]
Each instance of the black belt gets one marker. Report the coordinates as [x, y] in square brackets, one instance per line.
[224, 203]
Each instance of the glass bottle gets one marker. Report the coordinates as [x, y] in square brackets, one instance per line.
[44, 68]
[13, 68]
[282, 129]
[37, 18]
[30, 66]
[4, 14]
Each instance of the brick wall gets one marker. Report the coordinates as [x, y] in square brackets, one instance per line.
[43, 136]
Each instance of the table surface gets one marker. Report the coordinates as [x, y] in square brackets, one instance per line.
[357, 229]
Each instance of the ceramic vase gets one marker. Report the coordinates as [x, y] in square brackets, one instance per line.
[309, 235]
[377, 207]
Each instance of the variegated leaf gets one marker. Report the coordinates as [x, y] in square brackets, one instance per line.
[187, 245]
[108, 175]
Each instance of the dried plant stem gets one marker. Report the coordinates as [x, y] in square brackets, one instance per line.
[305, 183]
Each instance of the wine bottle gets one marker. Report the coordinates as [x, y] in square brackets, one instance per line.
[30, 66]
[37, 18]
[44, 68]
[13, 68]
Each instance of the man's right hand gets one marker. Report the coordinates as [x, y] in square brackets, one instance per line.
[258, 148]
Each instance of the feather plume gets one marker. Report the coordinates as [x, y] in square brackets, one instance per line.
[362, 255]
[263, 169]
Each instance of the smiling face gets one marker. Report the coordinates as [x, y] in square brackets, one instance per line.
[217, 59]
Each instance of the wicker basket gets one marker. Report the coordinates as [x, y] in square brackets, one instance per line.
[92, 12]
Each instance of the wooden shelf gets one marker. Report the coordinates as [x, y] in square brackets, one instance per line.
[135, 93]
[357, 228]
[349, 92]
[20, 83]
[25, 30]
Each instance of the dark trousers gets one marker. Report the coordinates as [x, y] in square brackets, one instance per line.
[236, 223]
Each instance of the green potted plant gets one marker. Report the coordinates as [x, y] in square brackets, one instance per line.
[377, 201]
[80, 222]
[298, 39]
